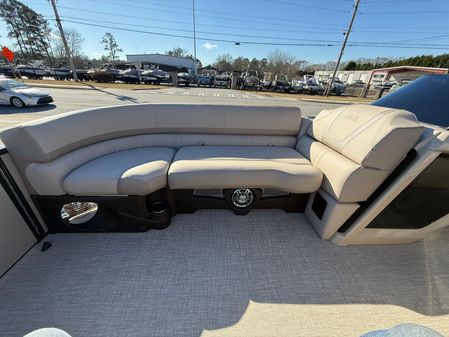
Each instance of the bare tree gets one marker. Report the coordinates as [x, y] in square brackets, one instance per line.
[330, 65]
[74, 40]
[111, 46]
[224, 62]
[241, 64]
[280, 62]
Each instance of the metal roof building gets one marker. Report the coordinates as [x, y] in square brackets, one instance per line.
[380, 75]
[400, 73]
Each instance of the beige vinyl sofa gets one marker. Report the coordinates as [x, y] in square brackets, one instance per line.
[343, 154]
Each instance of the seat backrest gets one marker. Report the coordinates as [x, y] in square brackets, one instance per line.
[46, 178]
[46, 139]
[358, 146]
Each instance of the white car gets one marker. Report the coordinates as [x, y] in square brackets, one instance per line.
[20, 95]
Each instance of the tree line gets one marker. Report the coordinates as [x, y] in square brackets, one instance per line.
[438, 61]
[277, 62]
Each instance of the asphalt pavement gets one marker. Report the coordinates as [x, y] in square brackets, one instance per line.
[74, 99]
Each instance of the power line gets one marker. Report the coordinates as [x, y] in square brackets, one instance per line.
[228, 17]
[398, 1]
[154, 19]
[160, 20]
[233, 27]
[198, 38]
[356, 44]
[117, 15]
[394, 43]
[239, 35]
[307, 6]
[437, 37]
[389, 32]
[324, 30]
[405, 12]
[144, 7]
[430, 47]
[199, 31]
[274, 19]
[189, 30]
[270, 18]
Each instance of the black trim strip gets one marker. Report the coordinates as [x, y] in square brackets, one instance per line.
[3, 150]
[22, 205]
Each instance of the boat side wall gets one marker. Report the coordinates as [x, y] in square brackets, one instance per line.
[16, 237]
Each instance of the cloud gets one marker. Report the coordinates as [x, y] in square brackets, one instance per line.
[209, 46]
[96, 54]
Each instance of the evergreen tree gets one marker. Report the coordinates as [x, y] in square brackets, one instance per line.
[29, 30]
[351, 66]
[111, 46]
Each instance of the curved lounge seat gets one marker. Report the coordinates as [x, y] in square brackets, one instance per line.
[98, 151]
[138, 171]
[340, 158]
[243, 166]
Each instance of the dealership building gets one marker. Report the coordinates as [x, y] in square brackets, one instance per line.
[381, 75]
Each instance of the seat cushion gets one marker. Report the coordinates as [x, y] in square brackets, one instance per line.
[371, 136]
[345, 180]
[357, 147]
[281, 168]
[136, 171]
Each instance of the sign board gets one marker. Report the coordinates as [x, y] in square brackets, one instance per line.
[8, 54]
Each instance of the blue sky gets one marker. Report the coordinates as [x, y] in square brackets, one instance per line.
[417, 26]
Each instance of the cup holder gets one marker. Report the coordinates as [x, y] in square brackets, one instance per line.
[158, 207]
[159, 214]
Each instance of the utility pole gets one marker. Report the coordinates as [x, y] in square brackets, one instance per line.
[64, 41]
[194, 40]
[354, 13]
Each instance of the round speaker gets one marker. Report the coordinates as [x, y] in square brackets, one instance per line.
[242, 197]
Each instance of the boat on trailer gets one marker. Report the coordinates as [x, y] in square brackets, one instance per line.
[154, 76]
[229, 220]
[130, 75]
[36, 72]
[59, 73]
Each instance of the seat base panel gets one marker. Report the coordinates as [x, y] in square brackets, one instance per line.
[154, 211]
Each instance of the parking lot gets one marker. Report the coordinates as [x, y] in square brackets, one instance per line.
[74, 99]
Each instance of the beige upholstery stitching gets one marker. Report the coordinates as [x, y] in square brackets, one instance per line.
[337, 114]
[365, 126]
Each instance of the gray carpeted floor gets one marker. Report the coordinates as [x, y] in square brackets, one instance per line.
[202, 271]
